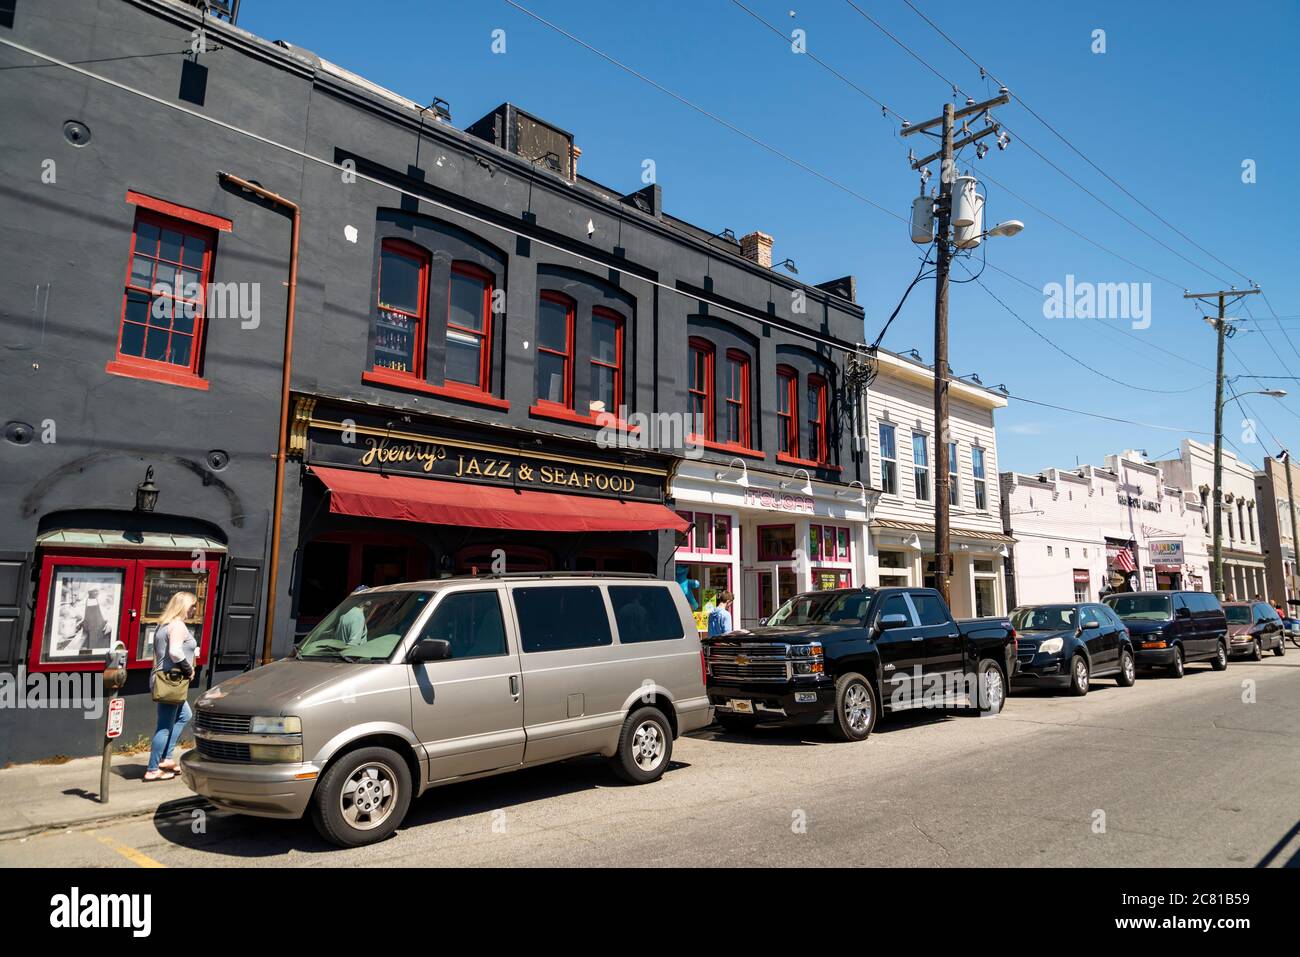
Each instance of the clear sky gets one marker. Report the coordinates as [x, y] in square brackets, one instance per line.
[1183, 94]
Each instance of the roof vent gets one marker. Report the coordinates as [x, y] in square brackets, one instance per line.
[527, 136]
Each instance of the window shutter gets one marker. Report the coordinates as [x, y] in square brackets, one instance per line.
[237, 635]
[13, 588]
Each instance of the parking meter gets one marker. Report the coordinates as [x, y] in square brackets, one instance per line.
[114, 711]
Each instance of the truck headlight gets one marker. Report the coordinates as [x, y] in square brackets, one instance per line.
[275, 753]
[276, 725]
[1052, 646]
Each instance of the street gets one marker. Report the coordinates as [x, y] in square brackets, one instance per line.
[1169, 773]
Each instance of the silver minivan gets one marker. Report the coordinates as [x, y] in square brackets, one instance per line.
[409, 686]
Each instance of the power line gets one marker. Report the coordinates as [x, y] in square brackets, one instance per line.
[1108, 418]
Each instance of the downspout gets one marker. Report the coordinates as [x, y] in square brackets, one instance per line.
[282, 441]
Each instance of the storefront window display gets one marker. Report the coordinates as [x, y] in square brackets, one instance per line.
[706, 556]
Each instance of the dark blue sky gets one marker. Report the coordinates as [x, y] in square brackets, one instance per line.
[1183, 94]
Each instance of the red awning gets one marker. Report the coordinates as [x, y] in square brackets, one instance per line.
[436, 502]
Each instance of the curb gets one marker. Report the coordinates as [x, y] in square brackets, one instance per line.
[173, 808]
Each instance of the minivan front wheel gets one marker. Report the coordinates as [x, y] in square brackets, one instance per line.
[645, 746]
[363, 797]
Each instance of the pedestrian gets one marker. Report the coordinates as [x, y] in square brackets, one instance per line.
[173, 649]
[720, 617]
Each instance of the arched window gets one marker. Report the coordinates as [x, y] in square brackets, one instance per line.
[401, 314]
[555, 349]
[700, 386]
[736, 394]
[787, 410]
[607, 328]
[469, 328]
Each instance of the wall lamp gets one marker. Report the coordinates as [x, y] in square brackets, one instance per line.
[146, 493]
[743, 481]
[807, 482]
[845, 492]
[788, 265]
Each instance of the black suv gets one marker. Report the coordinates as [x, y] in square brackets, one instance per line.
[1066, 646]
[1172, 628]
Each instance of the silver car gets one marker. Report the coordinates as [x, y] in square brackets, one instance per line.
[409, 686]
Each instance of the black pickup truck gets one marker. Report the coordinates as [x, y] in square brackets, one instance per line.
[844, 655]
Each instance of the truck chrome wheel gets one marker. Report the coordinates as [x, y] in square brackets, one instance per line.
[857, 708]
[994, 691]
[647, 746]
[368, 796]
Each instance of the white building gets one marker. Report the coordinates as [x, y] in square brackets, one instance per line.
[1082, 532]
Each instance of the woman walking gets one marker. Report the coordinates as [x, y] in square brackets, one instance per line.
[173, 649]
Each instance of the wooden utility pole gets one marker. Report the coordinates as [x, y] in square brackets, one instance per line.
[1220, 327]
[943, 254]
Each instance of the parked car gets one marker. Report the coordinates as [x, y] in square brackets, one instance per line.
[1171, 628]
[409, 686]
[1292, 626]
[1066, 646]
[1253, 628]
[842, 656]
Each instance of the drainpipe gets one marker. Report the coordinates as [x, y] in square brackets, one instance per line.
[287, 368]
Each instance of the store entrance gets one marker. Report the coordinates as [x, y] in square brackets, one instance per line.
[766, 589]
[333, 566]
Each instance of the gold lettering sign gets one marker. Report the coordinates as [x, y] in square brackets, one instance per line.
[383, 452]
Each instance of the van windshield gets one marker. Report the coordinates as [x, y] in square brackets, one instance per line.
[365, 627]
[1145, 607]
[1237, 614]
[830, 608]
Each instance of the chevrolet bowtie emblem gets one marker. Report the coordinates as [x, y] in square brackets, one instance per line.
[742, 659]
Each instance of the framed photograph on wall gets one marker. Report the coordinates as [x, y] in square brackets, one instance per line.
[83, 612]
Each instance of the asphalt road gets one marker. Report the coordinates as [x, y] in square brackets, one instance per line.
[1167, 773]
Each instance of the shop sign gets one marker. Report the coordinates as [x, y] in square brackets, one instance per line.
[1131, 501]
[1166, 552]
[778, 500]
[1081, 575]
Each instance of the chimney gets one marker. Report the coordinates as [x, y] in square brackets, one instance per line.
[757, 248]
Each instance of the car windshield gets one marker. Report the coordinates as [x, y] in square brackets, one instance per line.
[1044, 618]
[824, 608]
[1238, 614]
[1144, 607]
[366, 627]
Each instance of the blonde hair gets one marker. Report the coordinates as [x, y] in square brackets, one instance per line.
[178, 608]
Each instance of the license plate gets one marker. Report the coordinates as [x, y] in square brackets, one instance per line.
[805, 697]
[742, 707]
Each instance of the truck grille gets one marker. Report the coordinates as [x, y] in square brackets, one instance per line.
[223, 723]
[750, 663]
[223, 750]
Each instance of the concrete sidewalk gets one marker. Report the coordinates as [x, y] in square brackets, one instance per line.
[41, 797]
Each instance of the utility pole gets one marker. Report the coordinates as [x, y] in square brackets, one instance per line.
[943, 254]
[1220, 328]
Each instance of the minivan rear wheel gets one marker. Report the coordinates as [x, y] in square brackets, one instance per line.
[362, 797]
[645, 746]
[1220, 661]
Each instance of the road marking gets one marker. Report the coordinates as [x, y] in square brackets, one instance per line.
[130, 853]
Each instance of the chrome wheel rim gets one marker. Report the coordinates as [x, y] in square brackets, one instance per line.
[993, 689]
[1081, 672]
[1128, 667]
[1178, 662]
[369, 796]
[648, 746]
[857, 708]
[1223, 655]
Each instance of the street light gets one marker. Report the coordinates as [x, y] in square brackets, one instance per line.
[1009, 228]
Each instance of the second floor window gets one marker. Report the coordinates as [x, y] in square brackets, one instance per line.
[921, 466]
[888, 461]
[402, 317]
[817, 445]
[737, 398]
[954, 495]
[469, 327]
[166, 283]
[555, 349]
[700, 386]
[606, 360]
[787, 410]
[977, 467]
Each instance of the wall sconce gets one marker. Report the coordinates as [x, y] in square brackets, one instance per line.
[743, 481]
[913, 542]
[845, 492]
[146, 493]
[807, 482]
[1003, 553]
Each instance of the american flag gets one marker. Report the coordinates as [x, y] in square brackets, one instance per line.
[1124, 560]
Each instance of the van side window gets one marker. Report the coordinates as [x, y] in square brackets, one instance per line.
[645, 613]
[929, 609]
[471, 621]
[555, 617]
[896, 604]
[1180, 604]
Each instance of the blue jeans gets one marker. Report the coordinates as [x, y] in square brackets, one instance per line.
[172, 719]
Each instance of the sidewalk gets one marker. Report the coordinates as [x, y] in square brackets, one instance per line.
[38, 797]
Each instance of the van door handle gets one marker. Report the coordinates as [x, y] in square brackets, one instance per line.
[514, 685]
[918, 637]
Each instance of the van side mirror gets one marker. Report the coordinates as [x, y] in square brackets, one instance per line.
[1183, 612]
[886, 622]
[429, 649]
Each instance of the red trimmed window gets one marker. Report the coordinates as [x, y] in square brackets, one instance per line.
[469, 328]
[555, 349]
[607, 359]
[711, 534]
[817, 450]
[737, 398]
[163, 306]
[787, 410]
[402, 312]
[700, 386]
